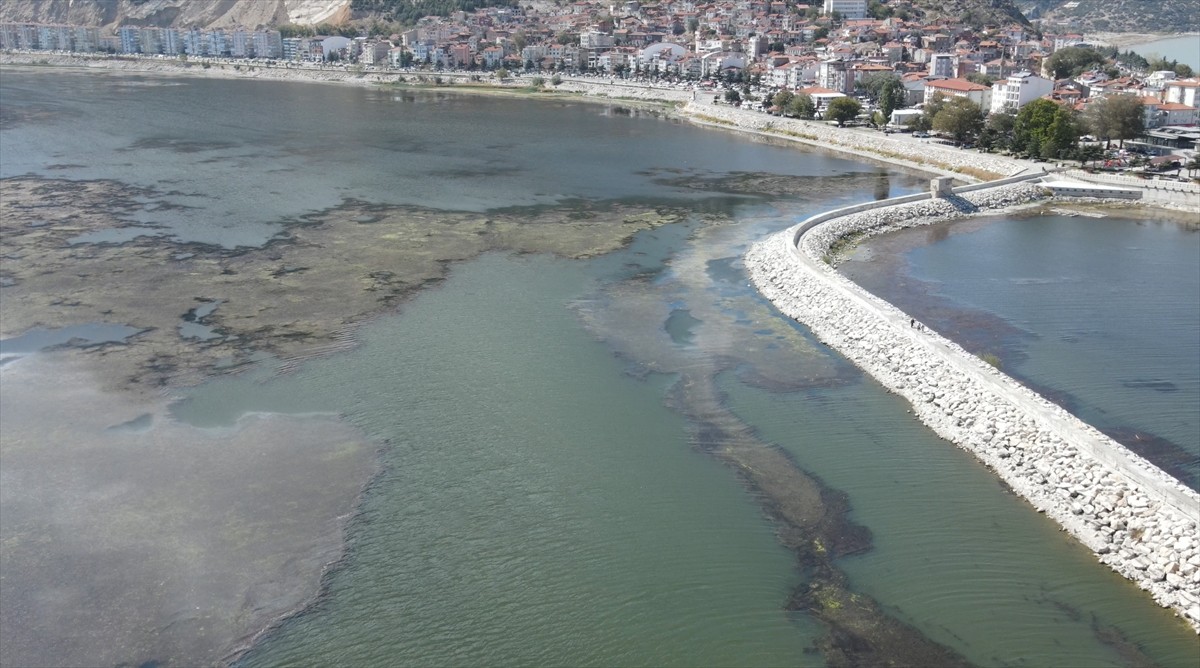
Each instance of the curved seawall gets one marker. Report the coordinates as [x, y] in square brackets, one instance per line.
[1136, 518]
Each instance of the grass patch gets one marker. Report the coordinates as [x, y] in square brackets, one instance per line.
[713, 119]
[844, 244]
[990, 359]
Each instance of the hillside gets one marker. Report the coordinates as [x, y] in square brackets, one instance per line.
[973, 13]
[1144, 16]
[175, 13]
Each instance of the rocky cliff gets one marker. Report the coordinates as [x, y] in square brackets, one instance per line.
[176, 13]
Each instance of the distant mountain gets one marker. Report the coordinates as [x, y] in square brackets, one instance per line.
[1145, 16]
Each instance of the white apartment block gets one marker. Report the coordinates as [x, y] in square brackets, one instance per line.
[1019, 90]
[1184, 91]
[849, 9]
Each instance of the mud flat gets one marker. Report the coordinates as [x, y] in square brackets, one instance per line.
[1136, 518]
[132, 539]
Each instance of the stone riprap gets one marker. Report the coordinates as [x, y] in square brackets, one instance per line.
[1136, 518]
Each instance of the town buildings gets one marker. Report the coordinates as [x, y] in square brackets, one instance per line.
[832, 48]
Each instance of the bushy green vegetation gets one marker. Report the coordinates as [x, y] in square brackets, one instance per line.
[842, 109]
[408, 12]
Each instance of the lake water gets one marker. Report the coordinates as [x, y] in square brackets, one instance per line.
[1184, 48]
[543, 497]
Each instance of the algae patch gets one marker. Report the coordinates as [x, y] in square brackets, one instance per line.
[300, 294]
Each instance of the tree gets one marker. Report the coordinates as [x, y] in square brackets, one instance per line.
[782, 99]
[501, 74]
[1045, 129]
[981, 79]
[891, 96]
[555, 80]
[872, 84]
[843, 109]
[1032, 125]
[1117, 117]
[932, 107]
[802, 106]
[537, 82]
[1070, 61]
[1087, 153]
[960, 118]
[1158, 64]
[878, 10]
[997, 131]
[1062, 136]
[732, 96]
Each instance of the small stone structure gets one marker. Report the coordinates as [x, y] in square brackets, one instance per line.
[942, 186]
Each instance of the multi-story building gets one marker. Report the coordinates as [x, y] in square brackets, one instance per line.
[54, 38]
[848, 9]
[131, 39]
[943, 65]
[150, 40]
[834, 75]
[1019, 90]
[294, 48]
[240, 44]
[1183, 91]
[268, 44]
[218, 43]
[86, 38]
[8, 36]
[172, 42]
[194, 42]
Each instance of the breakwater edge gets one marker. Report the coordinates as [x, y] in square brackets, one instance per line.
[1136, 518]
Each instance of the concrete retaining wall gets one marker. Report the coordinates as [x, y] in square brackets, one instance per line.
[1137, 519]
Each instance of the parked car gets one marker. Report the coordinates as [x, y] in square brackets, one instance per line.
[921, 135]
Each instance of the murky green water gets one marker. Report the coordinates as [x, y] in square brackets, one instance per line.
[543, 500]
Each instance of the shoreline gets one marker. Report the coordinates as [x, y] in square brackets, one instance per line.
[693, 106]
[924, 156]
[1126, 40]
[1133, 516]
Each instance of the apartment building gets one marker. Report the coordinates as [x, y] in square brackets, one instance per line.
[1019, 90]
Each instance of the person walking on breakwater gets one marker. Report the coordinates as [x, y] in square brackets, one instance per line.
[912, 322]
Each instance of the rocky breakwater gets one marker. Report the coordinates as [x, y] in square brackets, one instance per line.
[1137, 519]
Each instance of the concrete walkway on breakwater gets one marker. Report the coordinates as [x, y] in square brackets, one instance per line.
[1137, 519]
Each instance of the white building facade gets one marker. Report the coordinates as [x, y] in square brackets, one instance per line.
[848, 9]
[1019, 90]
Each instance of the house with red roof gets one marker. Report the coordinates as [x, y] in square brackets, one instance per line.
[979, 94]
